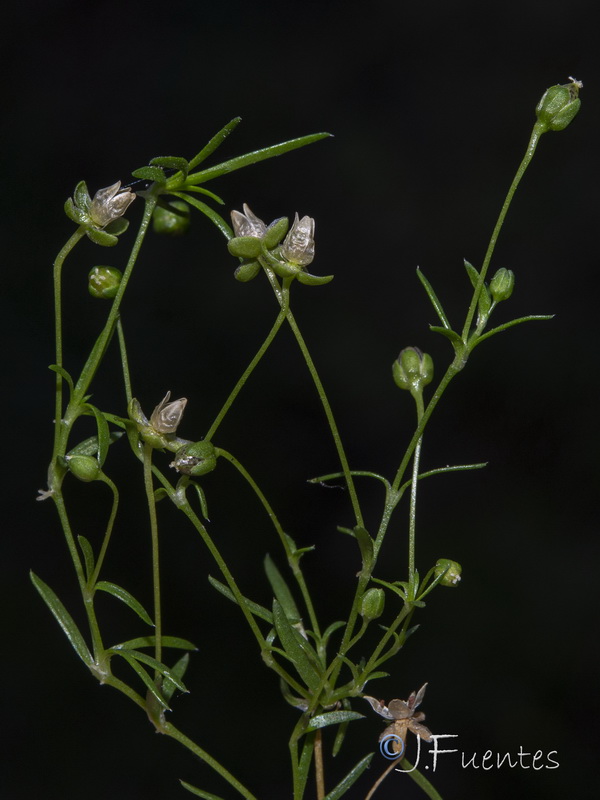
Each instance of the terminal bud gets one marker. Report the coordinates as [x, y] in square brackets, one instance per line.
[558, 106]
[502, 285]
[412, 370]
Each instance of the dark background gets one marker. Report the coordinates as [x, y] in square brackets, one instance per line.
[431, 105]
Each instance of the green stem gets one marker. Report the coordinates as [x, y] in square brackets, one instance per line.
[529, 153]
[420, 780]
[149, 487]
[292, 560]
[330, 418]
[248, 371]
[57, 281]
[412, 527]
[124, 360]
[175, 733]
[109, 529]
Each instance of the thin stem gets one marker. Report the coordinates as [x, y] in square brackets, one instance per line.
[175, 733]
[319, 768]
[109, 529]
[529, 153]
[246, 374]
[124, 360]
[420, 780]
[330, 418]
[149, 487]
[292, 560]
[380, 780]
[412, 527]
[57, 281]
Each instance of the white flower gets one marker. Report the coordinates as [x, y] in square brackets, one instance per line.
[247, 224]
[299, 245]
[109, 204]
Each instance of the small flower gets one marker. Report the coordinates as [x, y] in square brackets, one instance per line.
[404, 716]
[109, 204]
[247, 224]
[167, 416]
[299, 245]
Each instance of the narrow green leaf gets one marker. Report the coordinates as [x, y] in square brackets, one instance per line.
[296, 650]
[350, 778]
[281, 590]
[434, 299]
[127, 598]
[217, 219]
[202, 190]
[149, 661]
[199, 792]
[88, 556]
[146, 679]
[512, 323]
[394, 587]
[340, 734]
[304, 763]
[330, 630]
[216, 141]
[89, 447]
[63, 374]
[313, 280]
[64, 619]
[254, 157]
[472, 273]
[103, 432]
[178, 670]
[373, 676]
[154, 174]
[149, 641]
[365, 542]
[171, 162]
[292, 699]
[332, 718]
[448, 333]
[255, 608]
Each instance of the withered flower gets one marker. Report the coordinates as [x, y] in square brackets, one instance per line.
[404, 719]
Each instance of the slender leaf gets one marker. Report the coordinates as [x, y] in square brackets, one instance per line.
[149, 661]
[171, 162]
[281, 590]
[254, 157]
[64, 619]
[154, 174]
[448, 333]
[103, 432]
[146, 679]
[199, 792]
[340, 734]
[89, 447]
[506, 325]
[332, 718]
[304, 763]
[472, 273]
[217, 219]
[202, 190]
[296, 648]
[178, 670]
[88, 556]
[255, 608]
[63, 374]
[127, 598]
[216, 141]
[434, 299]
[365, 542]
[350, 778]
[150, 641]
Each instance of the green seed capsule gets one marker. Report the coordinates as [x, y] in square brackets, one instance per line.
[196, 458]
[104, 282]
[558, 106]
[372, 604]
[502, 284]
[85, 468]
[452, 576]
[412, 369]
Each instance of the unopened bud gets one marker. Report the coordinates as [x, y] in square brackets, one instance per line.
[372, 604]
[558, 106]
[104, 282]
[195, 458]
[452, 568]
[502, 285]
[413, 369]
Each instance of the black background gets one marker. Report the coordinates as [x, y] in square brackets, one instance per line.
[431, 106]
